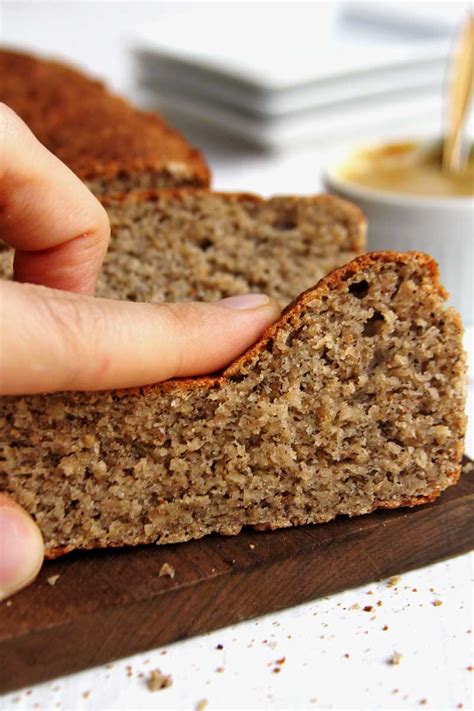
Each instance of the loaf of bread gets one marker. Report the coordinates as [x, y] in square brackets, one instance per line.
[352, 401]
[108, 143]
[179, 245]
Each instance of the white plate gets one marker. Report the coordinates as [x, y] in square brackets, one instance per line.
[158, 73]
[276, 47]
[352, 119]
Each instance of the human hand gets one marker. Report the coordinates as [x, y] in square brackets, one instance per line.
[56, 336]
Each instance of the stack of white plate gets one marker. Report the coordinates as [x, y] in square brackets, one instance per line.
[276, 74]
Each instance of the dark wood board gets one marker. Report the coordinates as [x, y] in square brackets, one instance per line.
[110, 604]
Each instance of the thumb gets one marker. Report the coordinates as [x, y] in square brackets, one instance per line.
[55, 340]
[21, 548]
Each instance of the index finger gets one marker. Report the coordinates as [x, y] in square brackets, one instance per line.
[59, 230]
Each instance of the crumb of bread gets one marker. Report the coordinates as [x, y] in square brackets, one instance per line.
[156, 680]
[201, 705]
[394, 580]
[52, 580]
[166, 571]
[395, 659]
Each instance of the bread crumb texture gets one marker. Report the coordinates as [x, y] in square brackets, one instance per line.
[200, 245]
[186, 245]
[352, 401]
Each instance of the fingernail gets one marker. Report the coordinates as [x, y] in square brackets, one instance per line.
[244, 301]
[21, 550]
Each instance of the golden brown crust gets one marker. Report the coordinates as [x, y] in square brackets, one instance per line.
[114, 139]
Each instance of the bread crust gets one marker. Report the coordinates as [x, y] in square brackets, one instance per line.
[115, 139]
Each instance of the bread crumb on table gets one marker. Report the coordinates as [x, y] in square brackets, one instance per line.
[201, 705]
[437, 603]
[395, 659]
[156, 680]
[52, 580]
[394, 580]
[166, 571]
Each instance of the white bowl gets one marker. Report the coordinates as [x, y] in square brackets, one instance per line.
[440, 226]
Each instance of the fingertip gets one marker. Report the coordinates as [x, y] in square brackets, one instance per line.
[21, 548]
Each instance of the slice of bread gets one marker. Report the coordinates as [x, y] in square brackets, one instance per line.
[107, 142]
[175, 245]
[193, 244]
[352, 401]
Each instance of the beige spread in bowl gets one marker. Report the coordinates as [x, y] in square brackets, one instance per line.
[408, 168]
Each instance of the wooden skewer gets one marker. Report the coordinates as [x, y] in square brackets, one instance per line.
[460, 89]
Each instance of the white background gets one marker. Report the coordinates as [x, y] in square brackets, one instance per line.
[435, 641]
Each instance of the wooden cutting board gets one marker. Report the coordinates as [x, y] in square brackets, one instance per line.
[110, 604]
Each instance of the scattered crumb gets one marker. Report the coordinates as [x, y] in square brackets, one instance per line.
[166, 571]
[414, 590]
[369, 592]
[346, 655]
[252, 546]
[219, 646]
[8, 603]
[395, 691]
[129, 670]
[110, 665]
[385, 628]
[201, 705]
[394, 580]
[163, 651]
[437, 603]
[460, 706]
[470, 668]
[276, 670]
[395, 659]
[86, 694]
[52, 580]
[379, 603]
[280, 661]
[156, 680]
[423, 702]
[220, 669]
[368, 608]
[468, 467]
[355, 606]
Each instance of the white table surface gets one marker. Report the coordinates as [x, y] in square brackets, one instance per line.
[336, 654]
